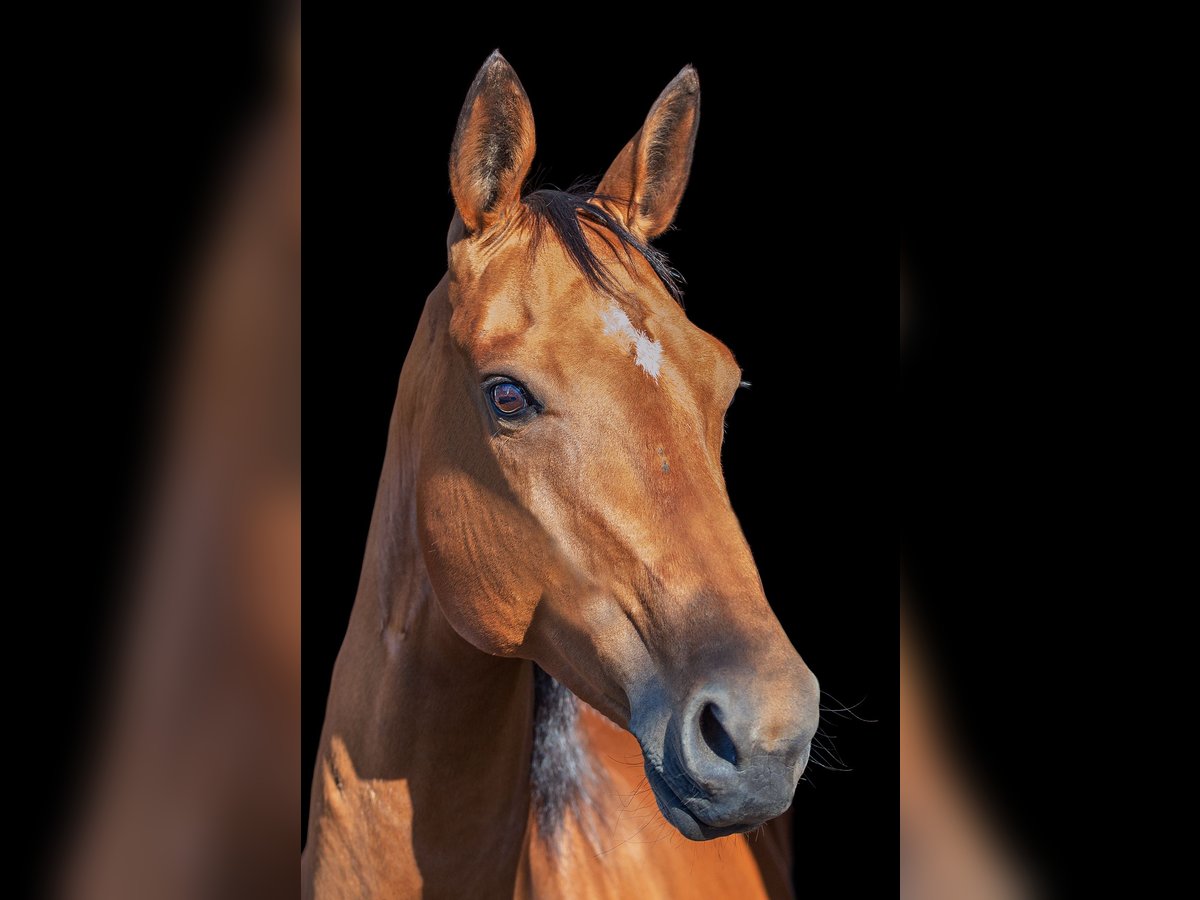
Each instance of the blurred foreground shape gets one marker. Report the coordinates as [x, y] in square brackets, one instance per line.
[193, 791]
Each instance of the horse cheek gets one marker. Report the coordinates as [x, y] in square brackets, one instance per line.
[481, 585]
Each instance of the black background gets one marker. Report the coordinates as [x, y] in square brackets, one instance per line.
[785, 259]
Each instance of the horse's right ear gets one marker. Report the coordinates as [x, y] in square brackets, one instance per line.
[493, 146]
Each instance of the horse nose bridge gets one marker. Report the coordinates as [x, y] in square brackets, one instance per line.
[698, 627]
[710, 603]
[735, 643]
[712, 556]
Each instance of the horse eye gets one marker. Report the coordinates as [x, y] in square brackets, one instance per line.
[508, 399]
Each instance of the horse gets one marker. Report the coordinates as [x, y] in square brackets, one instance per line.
[561, 676]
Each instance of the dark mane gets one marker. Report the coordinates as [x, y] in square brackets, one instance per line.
[567, 213]
[560, 772]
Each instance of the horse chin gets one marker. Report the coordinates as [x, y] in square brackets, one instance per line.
[685, 821]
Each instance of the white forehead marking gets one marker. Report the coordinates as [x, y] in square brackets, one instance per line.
[649, 353]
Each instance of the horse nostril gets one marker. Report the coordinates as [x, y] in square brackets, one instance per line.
[715, 735]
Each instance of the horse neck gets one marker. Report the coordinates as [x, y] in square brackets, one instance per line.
[439, 731]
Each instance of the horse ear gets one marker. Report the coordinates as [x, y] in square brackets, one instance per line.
[645, 183]
[493, 145]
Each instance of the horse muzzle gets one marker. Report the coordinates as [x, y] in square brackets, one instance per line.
[732, 753]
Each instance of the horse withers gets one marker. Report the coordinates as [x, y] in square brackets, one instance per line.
[560, 661]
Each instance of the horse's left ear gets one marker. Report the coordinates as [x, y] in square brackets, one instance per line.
[493, 145]
[645, 183]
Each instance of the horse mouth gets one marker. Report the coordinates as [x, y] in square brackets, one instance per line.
[676, 811]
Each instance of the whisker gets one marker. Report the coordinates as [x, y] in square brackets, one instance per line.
[845, 711]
